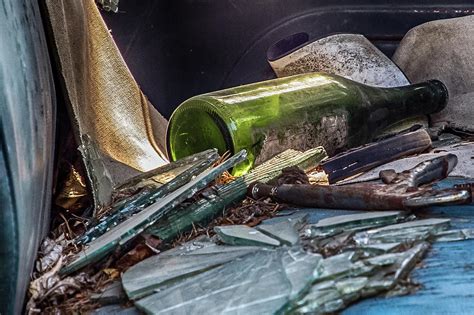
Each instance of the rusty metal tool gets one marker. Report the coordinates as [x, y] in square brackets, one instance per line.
[406, 190]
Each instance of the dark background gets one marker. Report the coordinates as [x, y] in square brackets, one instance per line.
[180, 48]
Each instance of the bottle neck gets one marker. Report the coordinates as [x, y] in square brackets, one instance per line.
[391, 105]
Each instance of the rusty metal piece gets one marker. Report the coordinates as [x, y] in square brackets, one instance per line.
[400, 190]
[357, 196]
[439, 197]
[423, 173]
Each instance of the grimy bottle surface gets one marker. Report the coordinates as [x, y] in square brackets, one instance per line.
[298, 112]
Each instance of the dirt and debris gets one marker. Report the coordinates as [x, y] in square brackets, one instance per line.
[49, 293]
[249, 212]
[52, 293]
[146, 246]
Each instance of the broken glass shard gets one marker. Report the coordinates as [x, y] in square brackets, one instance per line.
[454, 235]
[339, 265]
[403, 232]
[377, 249]
[377, 284]
[298, 219]
[286, 230]
[199, 243]
[412, 256]
[342, 282]
[333, 225]
[260, 283]
[331, 245]
[143, 278]
[244, 235]
[124, 209]
[111, 294]
[136, 224]
[202, 211]
[330, 296]
[163, 174]
[205, 247]
[300, 267]
[351, 285]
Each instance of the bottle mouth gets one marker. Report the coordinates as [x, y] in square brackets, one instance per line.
[194, 128]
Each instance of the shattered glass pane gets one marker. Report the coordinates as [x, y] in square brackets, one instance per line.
[286, 230]
[403, 232]
[181, 172]
[128, 229]
[202, 211]
[244, 235]
[204, 277]
[143, 278]
[239, 287]
[455, 235]
[204, 246]
[343, 281]
[163, 174]
[334, 225]
[331, 245]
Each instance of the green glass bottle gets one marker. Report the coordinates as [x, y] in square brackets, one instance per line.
[298, 112]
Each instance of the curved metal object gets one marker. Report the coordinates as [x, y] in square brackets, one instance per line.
[27, 107]
[439, 198]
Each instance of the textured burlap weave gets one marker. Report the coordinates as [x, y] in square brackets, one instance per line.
[111, 115]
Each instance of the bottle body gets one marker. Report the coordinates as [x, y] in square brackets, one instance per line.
[298, 112]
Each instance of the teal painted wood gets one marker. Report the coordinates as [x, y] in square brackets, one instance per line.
[448, 285]
[447, 276]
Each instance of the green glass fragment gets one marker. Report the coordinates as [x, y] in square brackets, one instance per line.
[454, 235]
[148, 275]
[133, 226]
[343, 281]
[244, 235]
[204, 210]
[180, 173]
[286, 230]
[260, 283]
[411, 231]
[163, 174]
[364, 220]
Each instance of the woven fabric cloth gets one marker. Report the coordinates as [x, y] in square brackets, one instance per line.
[112, 117]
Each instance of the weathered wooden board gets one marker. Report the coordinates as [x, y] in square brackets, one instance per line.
[446, 276]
